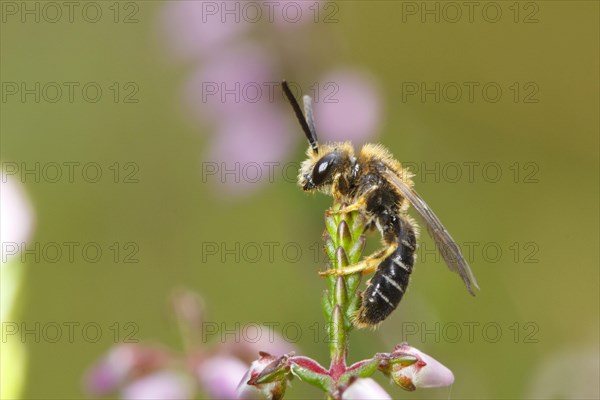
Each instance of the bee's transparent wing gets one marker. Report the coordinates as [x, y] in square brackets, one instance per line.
[446, 245]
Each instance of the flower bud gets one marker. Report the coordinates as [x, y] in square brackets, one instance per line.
[426, 372]
[267, 376]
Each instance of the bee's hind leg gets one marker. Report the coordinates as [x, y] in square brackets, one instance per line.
[368, 265]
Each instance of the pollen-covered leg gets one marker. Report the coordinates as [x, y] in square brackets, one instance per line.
[366, 266]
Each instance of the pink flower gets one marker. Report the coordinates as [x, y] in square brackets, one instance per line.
[249, 145]
[161, 385]
[267, 341]
[121, 363]
[139, 371]
[365, 389]
[219, 376]
[348, 107]
[17, 215]
[197, 28]
[234, 82]
[425, 373]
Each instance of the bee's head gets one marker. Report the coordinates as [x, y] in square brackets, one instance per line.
[318, 171]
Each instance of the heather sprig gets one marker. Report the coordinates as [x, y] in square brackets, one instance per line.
[407, 367]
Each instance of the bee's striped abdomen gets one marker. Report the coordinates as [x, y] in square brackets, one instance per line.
[386, 288]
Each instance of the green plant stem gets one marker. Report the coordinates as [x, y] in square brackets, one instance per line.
[344, 242]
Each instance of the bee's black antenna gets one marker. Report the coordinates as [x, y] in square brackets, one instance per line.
[307, 123]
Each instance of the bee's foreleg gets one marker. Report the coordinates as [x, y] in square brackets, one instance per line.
[359, 204]
[366, 266]
[335, 188]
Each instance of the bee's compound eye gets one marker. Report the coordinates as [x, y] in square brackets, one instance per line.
[323, 168]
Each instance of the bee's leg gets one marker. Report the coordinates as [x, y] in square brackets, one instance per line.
[371, 226]
[368, 265]
[335, 191]
[359, 204]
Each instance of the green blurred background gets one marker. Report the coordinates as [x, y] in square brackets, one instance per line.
[545, 297]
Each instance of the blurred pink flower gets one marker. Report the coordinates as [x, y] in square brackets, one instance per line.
[16, 227]
[349, 107]
[234, 89]
[196, 28]
[268, 341]
[142, 372]
[17, 214]
[139, 371]
[247, 144]
[425, 373]
[104, 378]
[161, 385]
[232, 83]
[220, 376]
[365, 389]
[123, 362]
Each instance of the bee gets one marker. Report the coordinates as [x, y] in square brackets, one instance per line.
[375, 184]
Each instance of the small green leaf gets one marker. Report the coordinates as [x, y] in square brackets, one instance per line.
[330, 248]
[361, 369]
[340, 290]
[341, 258]
[355, 251]
[326, 304]
[344, 236]
[320, 380]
